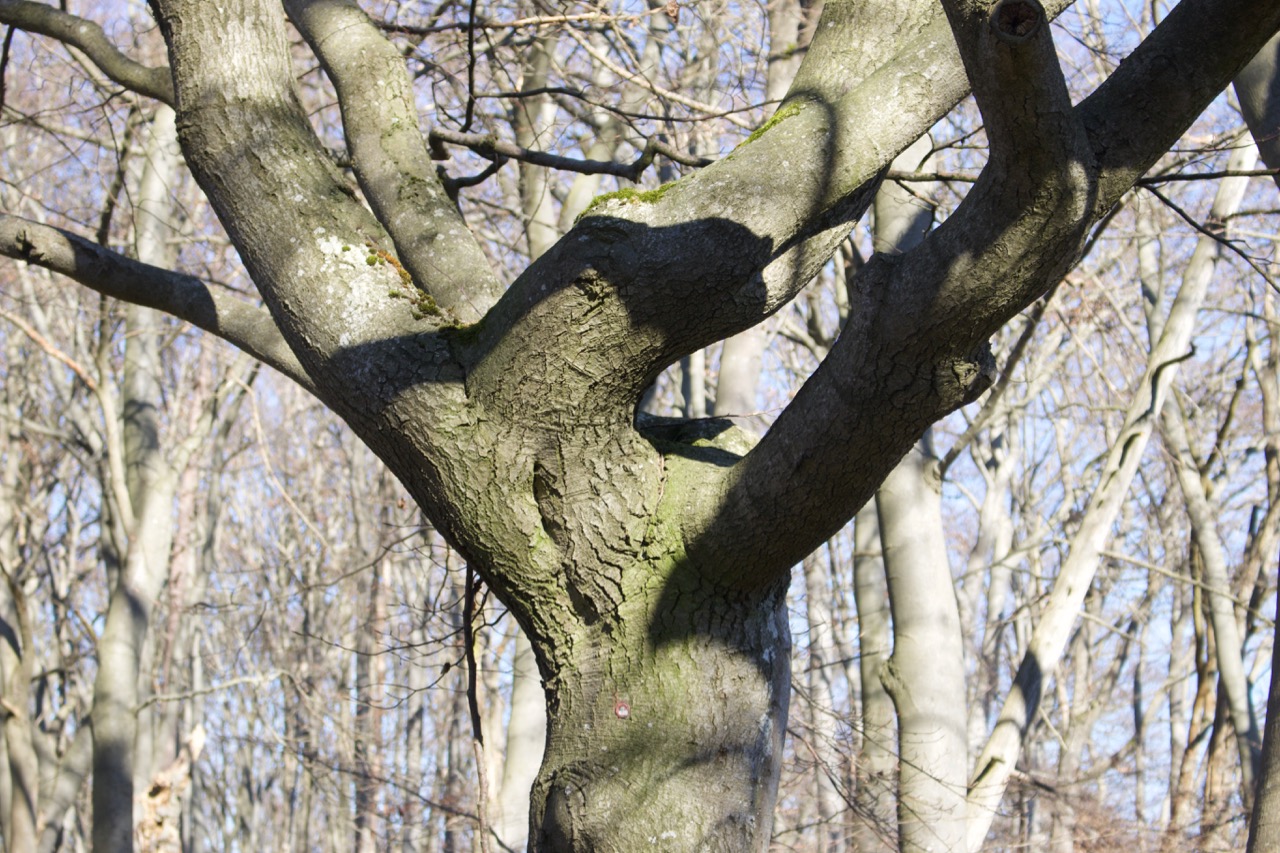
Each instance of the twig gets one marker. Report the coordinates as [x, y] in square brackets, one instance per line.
[641, 80]
[1209, 232]
[269, 469]
[52, 350]
[1152, 180]
[471, 67]
[532, 21]
[932, 177]
[4, 61]
[257, 680]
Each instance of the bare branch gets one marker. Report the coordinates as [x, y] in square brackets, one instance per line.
[1214, 230]
[641, 80]
[492, 148]
[89, 39]
[390, 159]
[51, 349]
[518, 23]
[186, 297]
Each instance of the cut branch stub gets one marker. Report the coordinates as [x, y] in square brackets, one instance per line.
[1016, 21]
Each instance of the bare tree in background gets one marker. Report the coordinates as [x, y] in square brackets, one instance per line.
[493, 356]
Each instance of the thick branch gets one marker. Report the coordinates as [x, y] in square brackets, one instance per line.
[744, 235]
[1139, 112]
[88, 37]
[914, 347]
[321, 261]
[186, 297]
[1257, 88]
[390, 159]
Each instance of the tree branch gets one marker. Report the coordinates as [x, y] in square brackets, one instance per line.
[1139, 112]
[89, 39]
[914, 348]
[186, 297]
[492, 148]
[391, 162]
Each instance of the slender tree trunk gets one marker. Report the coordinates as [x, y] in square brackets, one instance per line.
[16, 667]
[526, 737]
[990, 556]
[19, 763]
[145, 499]
[67, 784]
[925, 676]
[1227, 642]
[370, 676]
[823, 725]
[876, 793]
[1000, 755]
[1264, 828]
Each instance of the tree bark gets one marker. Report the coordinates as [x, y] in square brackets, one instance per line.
[647, 565]
[925, 675]
[670, 732]
[1264, 826]
[877, 784]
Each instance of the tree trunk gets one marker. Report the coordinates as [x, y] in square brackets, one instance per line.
[878, 764]
[823, 729]
[23, 766]
[526, 737]
[925, 676]
[666, 732]
[144, 498]
[1170, 340]
[1226, 634]
[1264, 828]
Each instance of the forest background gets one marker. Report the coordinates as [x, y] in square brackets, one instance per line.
[322, 671]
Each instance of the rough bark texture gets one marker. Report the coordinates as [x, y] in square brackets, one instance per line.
[647, 562]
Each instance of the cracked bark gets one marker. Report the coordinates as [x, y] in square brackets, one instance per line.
[647, 565]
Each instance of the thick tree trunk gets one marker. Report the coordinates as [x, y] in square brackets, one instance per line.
[666, 730]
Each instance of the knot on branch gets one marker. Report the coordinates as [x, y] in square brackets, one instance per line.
[27, 247]
[962, 380]
[1016, 21]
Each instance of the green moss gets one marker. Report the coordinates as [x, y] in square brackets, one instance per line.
[424, 305]
[784, 113]
[463, 334]
[628, 194]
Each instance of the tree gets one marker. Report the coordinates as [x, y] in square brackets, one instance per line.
[647, 560]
